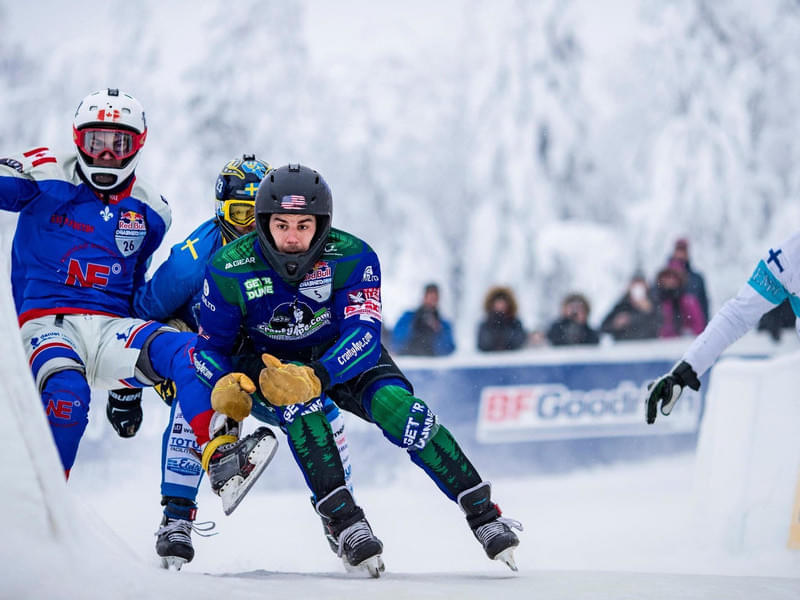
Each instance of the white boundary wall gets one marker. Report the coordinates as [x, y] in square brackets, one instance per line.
[53, 547]
[748, 455]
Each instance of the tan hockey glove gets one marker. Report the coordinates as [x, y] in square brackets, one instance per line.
[231, 395]
[285, 384]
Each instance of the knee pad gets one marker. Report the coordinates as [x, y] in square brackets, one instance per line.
[65, 397]
[405, 420]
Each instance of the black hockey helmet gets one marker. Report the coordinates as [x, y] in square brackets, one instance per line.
[293, 189]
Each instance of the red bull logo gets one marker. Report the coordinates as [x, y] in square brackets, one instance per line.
[130, 220]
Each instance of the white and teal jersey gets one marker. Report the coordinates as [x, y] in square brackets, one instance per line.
[776, 278]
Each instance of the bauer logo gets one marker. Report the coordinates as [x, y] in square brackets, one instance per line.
[554, 411]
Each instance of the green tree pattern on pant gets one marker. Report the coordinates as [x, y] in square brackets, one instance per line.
[317, 455]
[442, 455]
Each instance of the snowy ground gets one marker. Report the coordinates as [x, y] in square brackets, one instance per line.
[582, 532]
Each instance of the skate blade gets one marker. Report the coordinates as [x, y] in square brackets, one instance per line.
[372, 565]
[507, 556]
[172, 562]
[236, 488]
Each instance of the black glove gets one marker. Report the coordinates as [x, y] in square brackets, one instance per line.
[124, 411]
[668, 388]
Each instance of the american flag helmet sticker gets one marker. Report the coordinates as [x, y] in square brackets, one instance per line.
[293, 202]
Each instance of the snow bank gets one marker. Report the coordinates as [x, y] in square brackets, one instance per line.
[748, 456]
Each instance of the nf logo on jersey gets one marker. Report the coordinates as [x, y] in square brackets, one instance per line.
[369, 276]
[293, 202]
[93, 275]
[130, 233]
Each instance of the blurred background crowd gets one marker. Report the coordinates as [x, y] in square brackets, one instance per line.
[673, 303]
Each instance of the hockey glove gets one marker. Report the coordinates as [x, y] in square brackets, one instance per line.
[668, 388]
[124, 411]
[285, 384]
[231, 395]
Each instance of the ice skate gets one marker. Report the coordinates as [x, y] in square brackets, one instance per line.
[349, 532]
[492, 530]
[234, 465]
[174, 536]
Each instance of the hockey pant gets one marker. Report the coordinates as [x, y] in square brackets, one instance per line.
[69, 353]
[405, 420]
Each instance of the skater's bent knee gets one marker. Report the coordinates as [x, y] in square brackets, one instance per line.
[406, 420]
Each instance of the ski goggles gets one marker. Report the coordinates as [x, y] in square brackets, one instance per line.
[120, 143]
[239, 212]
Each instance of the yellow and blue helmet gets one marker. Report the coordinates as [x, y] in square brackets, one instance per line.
[235, 192]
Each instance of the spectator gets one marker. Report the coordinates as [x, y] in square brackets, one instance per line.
[572, 327]
[501, 330]
[695, 284]
[423, 332]
[776, 320]
[680, 310]
[635, 316]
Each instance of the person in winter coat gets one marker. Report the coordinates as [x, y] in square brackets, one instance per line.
[695, 284]
[635, 316]
[572, 327]
[501, 329]
[680, 310]
[423, 331]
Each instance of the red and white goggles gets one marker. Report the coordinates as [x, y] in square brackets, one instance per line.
[97, 141]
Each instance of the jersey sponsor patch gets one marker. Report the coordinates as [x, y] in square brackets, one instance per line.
[130, 233]
[318, 284]
[87, 274]
[365, 304]
[256, 287]
[369, 276]
[294, 320]
[765, 283]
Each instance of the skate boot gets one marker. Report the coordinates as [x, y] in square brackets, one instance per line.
[233, 465]
[333, 543]
[349, 530]
[490, 529]
[174, 537]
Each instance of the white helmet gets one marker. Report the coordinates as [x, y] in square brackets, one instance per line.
[109, 129]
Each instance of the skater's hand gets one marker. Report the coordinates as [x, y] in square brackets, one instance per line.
[124, 411]
[179, 324]
[668, 388]
[231, 395]
[285, 384]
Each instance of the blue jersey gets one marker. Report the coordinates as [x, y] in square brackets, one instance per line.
[176, 286]
[331, 320]
[74, 251]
